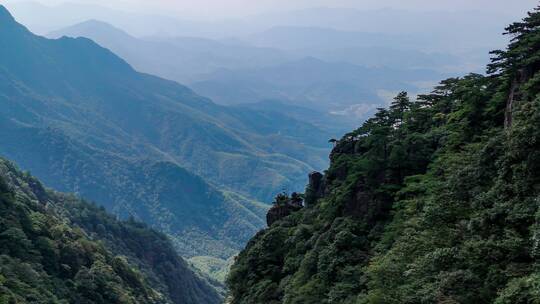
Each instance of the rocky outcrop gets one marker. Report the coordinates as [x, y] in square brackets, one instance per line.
[283, 207]
[316, 182]
[523, 75]
[276, 213]
[315, 188]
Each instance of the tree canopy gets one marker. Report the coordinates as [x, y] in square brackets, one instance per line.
[433, 200]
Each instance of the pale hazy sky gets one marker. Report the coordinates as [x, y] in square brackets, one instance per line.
[229, 8]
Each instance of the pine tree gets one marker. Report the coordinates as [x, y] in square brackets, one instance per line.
[399, 106]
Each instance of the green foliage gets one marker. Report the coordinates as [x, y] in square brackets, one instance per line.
[430, 201]
[42, 260]
[283, 199]
[55, 248]
[213, 267]
[134, 243]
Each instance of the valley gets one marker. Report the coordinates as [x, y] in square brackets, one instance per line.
[290, 154]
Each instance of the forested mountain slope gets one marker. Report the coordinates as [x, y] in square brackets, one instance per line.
[56, 248]
[430, 201]
[83, 121]
[67, 78]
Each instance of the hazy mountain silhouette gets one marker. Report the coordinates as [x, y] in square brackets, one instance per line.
[312, 83]
[183, 59]
[233, 72]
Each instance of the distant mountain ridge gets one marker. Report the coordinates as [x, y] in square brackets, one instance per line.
[183, 59]
[385, 20]
[306, 37]
[312, 83]
[370, 49]
[313, 67]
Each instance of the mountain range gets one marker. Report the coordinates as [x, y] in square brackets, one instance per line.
[443, 25]
[183, 59]
[281, 69]
[312, 83]
[84, 121]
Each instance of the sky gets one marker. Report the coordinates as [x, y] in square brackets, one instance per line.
[236, 8]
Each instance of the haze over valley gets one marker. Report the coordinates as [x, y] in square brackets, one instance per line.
[235, 59]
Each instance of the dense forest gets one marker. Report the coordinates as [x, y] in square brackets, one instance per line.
[56, 248]
[433, 200]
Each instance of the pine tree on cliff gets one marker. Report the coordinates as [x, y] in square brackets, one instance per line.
[519, 62]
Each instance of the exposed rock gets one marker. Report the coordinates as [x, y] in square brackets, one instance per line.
[276, 213]
[316, 182]
[523, 75]
[315, 188]
[284, 206]
[367, 206]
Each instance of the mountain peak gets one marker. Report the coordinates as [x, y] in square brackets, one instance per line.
[8, 24]
[5, 16]
[94, 23]
[93, 29]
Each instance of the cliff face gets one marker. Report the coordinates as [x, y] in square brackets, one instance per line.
[277, 213]
[284, 206]
[430, 201]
